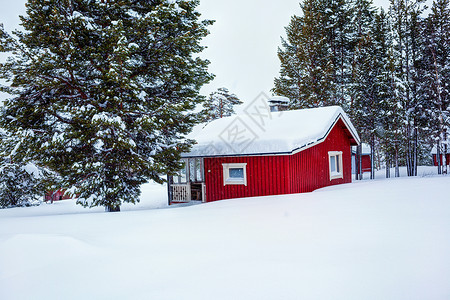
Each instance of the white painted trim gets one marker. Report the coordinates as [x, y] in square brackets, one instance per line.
[339, 174]
[226, 174]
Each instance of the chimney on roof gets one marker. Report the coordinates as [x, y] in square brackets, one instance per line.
[278, 103]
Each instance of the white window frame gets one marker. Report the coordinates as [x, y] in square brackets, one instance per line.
[338, 159]
[227, 180]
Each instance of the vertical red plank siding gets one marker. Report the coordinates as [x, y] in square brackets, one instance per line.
[312, 165]
[447, 159]
[57, 195]
[281, 174]
[265, 176]
[366, 165]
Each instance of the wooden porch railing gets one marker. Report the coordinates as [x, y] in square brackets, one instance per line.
[181, 193]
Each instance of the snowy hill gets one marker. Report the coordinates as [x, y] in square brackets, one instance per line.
[382, 239]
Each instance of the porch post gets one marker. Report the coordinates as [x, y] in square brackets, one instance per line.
[169, 189]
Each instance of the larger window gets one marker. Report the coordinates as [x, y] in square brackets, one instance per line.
[235, 173]
[335, 161]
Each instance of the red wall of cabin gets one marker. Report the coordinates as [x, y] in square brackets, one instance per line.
[57, 195]
[365, 163]
[447, 156]
[281, 174]
[266, 175]
[310, 168]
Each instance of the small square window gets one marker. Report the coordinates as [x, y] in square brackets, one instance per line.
[235, 173]
[335, 161]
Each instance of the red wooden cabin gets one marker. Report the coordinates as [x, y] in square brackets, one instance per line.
[55, 196]
[366, 162]
[447, 159]
[267, 154]
[434, 153]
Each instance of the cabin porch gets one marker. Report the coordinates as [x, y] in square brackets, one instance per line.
[189, 184]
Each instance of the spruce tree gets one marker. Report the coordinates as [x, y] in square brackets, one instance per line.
[406, 24]
[307, 74]
[104, 91]
[389, 115]
[363, 89]
[435, 72]
[219, 104]
[341, 16]
[21, 183]
[318, 52]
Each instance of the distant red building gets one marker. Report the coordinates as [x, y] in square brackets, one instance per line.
[366, 161]
[278, 153]
[55, 196]
[435, 162]
[434, 154]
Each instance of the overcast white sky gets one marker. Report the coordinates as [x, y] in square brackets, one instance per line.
[242, 46]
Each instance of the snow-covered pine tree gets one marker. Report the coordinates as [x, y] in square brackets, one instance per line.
[390, 116]
[364, 107]
[406, 23]
[435, 73]
[21, 183]
[307, 72]
[340, 17]
[317, 55]
[220, 104]
[104, 91]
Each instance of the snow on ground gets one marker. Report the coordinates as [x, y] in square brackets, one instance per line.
[153, 195]
[381, 239]
[422, 171]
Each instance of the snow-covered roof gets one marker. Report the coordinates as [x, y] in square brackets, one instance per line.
[268, 133]
[279, 99]
[434, 150]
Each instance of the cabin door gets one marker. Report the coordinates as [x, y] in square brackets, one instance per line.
[189, 183]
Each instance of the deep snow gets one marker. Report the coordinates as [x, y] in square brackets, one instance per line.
[381, 239]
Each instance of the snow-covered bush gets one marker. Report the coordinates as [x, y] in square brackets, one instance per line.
[19, 185]
[22, 183]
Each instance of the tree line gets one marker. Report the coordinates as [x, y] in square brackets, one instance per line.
[390, 70]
